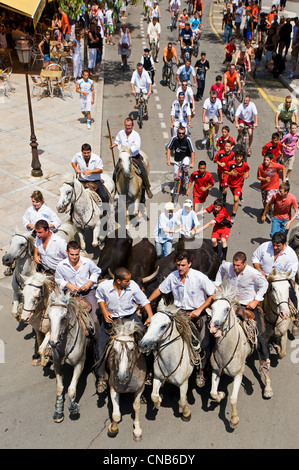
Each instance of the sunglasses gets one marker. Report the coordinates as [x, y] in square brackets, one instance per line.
[181, 133]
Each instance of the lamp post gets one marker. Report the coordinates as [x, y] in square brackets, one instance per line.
[23, 48]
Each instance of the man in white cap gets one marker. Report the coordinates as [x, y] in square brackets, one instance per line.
[163, 233]
[187, 219]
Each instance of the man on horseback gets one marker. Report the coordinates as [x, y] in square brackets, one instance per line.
[193, 293]
[250, 286]
[117, 298]
[89, 167]
[131, 139]
[49, 248]
[79, 275]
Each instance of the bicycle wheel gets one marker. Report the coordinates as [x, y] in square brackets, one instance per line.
[240, 95]
[213, 149]
[176, 191]
[245, 142]
[140, 116]
[195, 48]
[172, 81]
[231, 111]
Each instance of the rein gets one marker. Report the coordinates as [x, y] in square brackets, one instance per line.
[275, 324]
[68, 327]
[84, 225]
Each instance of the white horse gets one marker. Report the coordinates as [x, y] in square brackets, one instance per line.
[87, 210]
[276, 309]
[68, 341]
[231, 347]
[127, 371]
[169, 337]
[128, 180]
[36, 299]
[20, 254]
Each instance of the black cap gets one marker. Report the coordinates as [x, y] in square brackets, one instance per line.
[203, 53]
[146, 49]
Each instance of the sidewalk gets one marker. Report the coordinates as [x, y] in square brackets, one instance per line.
[60, 132]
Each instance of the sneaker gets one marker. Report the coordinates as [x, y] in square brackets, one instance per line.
[232, 219]
[204, 141]
[291, 75]
[88, 125]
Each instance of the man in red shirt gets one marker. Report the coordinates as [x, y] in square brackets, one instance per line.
[218, 87]
[268, 175]
[230, 49]
[221, 226]
[283, 203]
[222, 158]
[203, 181]
[225, 138]
[274, 146]
[237, 171]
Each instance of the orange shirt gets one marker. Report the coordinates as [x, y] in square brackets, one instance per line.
[169, 54]
[230, 79]
[273, 172]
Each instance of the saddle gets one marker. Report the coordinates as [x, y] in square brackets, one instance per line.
[93, 186]
[248, 323]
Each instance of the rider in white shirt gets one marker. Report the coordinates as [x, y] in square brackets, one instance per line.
[153, 34]
[141, 81]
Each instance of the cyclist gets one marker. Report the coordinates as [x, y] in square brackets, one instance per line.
[185, 72]
[198, 6]
[183, 150]
[187, 39]
[286, 113]
[246, 115]
[141, 81]
[231, 81]
[153, 34]
[189, 96]
[148, 63]
[180, 114]
[243, 62]
[212, 108]
[196, 25]
[155, 11]
[169, 53]
[174, 7]
[183, 19]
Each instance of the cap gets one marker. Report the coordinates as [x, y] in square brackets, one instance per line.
[203, 53]
[169, 206]
[146, 49]
[188, 203]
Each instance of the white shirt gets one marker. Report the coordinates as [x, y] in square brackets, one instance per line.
[142, 81]
[94, 163]
[175, 4]
[249, 285]
[188, 219]
[154, 31]
[32, 215]
[132, 141]
[181, 117]
[212, 108]
[264, 255]
[246, 113]
[100, 15]
[85, 86]
[164, 222]
[77, 49]
[193, 293]
[54, 253]
[87, 271]
[188, 94]
[121, 305]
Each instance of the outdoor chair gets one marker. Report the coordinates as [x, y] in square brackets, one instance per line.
[63, 85]
[5, 78]
[39, 84]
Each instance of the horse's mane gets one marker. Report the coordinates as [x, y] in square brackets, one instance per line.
[275, 274]
[96, 198]
[30, 238]
[122, 327]
[68, 178]
[227, 292]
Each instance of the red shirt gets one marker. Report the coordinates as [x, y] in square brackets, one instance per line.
[282, 208]
[220, 217]
[269, 147]
[219, 90]
[221, 141]
[229, 50]
[65, 23]
[223, 157]
[201, 181]
[236, 181]
[273, 172]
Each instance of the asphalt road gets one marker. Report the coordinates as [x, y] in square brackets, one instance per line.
[27, 394]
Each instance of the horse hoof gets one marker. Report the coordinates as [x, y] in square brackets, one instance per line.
[35, 362]
[268, 394]
[233, 425]
[295, 331]
[58, 417]
[112, 434]
[186, 419]
[137, 438]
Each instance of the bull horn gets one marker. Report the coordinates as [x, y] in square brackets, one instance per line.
[152, 276]
[110, 273]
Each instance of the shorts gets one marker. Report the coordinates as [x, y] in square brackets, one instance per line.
[267, 194]
[47, 58]
[236, 191]
[257, 62]
[247, 35]
[110, 29]
[92, 57]
[268, 55]
[241, 121]
[200, 198]
[288, 161]
[220, 232]
[186, 162]
[207, 126]
[144, 92]
[85, 103]
[228, 58]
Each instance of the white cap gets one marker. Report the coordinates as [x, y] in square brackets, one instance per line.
[169, 206]
[188, 203]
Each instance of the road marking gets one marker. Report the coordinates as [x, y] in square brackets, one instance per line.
[158, 106]
[165, 135]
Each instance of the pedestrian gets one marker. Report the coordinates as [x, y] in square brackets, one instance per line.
[274, 147]
[211, 111]
[283, 203]
[294, 56]
[44, 48]
[187, 220]
[76, 56]
[89, 167]
[94, 44]
[203, 182]
[218, 87]
[290, 142]
[110, 26]
[237, 171]
[85, 88]
[248, 25]
[268, 175]
[124, 44]
[65, 25]
[221, 224]
[230, 49]
[201, 67]
[258, 54]
[117, 298]
[222, 158]
[227, 25]
[49, 248]
[238, 18]
[225, 137]
[40, 211]
[164, 231]
[284, 40]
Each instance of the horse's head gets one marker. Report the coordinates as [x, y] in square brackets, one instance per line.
[219, 311]
[20, 245]
[66, 191]
[279, 291]
[58, 317]
[158, 327]
[35, 292]
[124, 348]
[125, 161]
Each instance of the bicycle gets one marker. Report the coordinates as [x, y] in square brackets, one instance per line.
[141, 106]
[229, 107]
[180, 183]
[186, 53]
[243, 139]
[284, 129]
[240, 95]
[168, 76]
[190, 8]
[195, 47]
[174, 20]
[211, 141]
[153, 49]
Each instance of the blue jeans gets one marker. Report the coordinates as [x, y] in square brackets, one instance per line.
[278, 226]
[165, 247]
[227, 33]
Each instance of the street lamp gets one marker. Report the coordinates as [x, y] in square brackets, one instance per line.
[23, 48]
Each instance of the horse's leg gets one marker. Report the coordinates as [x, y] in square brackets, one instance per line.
[137, 432]
[116, 416]
[81, 239]
[183, 404]
[156, 398]
[265, 376]
[41, 350]
[73, 407]
[96, 234]
[36, 360]
[58, 416]
[283, 341]
[217, 396]
[234, 420]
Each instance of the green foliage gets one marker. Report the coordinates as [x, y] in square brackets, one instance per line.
[75, 4]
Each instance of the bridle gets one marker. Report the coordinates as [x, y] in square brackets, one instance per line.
[277, 305]
[67, 328]
[83, 226]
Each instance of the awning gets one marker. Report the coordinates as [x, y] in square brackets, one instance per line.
[31, 8]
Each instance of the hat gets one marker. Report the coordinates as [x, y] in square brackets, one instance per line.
[146, 49]
[169, 206]
[188, 203]
[203, 53]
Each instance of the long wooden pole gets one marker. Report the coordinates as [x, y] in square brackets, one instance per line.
[111, 142]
